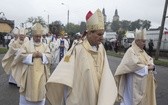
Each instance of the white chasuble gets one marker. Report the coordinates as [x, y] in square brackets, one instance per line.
[36, 78]
[86, 75]
[135, 84]
[35, 71]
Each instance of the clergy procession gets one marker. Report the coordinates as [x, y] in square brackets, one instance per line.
[48, 70]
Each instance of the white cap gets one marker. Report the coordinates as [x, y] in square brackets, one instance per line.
[140, 34]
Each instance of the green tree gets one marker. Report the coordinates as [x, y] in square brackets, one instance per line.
[125, 24]
[146, 24]
[72, 29]
[56, 27]
[82, 27]
[135, 24]
[120, 34]
[140, 23]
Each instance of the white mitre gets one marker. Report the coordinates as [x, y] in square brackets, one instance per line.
[15, 31]
[22, 31]
[37, 29]
[140, 34]
[95, 21]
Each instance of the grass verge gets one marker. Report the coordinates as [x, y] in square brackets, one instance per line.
[3, 50]
[160, 62]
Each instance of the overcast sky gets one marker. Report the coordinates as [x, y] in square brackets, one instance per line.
[20, 10]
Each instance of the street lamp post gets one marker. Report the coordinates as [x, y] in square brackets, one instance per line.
[67, 13]
[68, 17]
[48, 17]
[67, 29]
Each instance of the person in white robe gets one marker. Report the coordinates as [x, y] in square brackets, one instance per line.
[135, 74]
[60, 48]
[83, 76]
[49, 37]
[44, 39]
[67, 37]
[14, 46]
[36, 60]
[51, 40]
[78, 39]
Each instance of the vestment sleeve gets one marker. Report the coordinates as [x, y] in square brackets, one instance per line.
[44, 58]
[66, 44]
[28, 60]
[143, 71]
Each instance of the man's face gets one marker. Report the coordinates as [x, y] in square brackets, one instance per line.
[37, 38]
[95, 37]
[22, 37]
[140, 43]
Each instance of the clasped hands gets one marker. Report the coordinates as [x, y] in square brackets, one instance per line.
[37, 54]
[61, 45]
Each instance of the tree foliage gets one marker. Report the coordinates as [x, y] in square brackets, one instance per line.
[72, 29]
[146, 24]
[125, 24]
[56, 27]
[82, 27]
[140, 23]
[38, 19]
[130, 25]
[120, 34]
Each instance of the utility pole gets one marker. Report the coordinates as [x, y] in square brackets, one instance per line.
[161, 30]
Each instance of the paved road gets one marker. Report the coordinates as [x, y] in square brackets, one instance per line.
[9, 94]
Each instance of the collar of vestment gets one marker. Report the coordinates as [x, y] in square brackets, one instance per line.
[37, 44]
[88, 47]
[140, 52]
[136, 48]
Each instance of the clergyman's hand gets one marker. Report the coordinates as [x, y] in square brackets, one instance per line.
[61, 45]
[151, 67]
[34, 55]
[39, 55]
